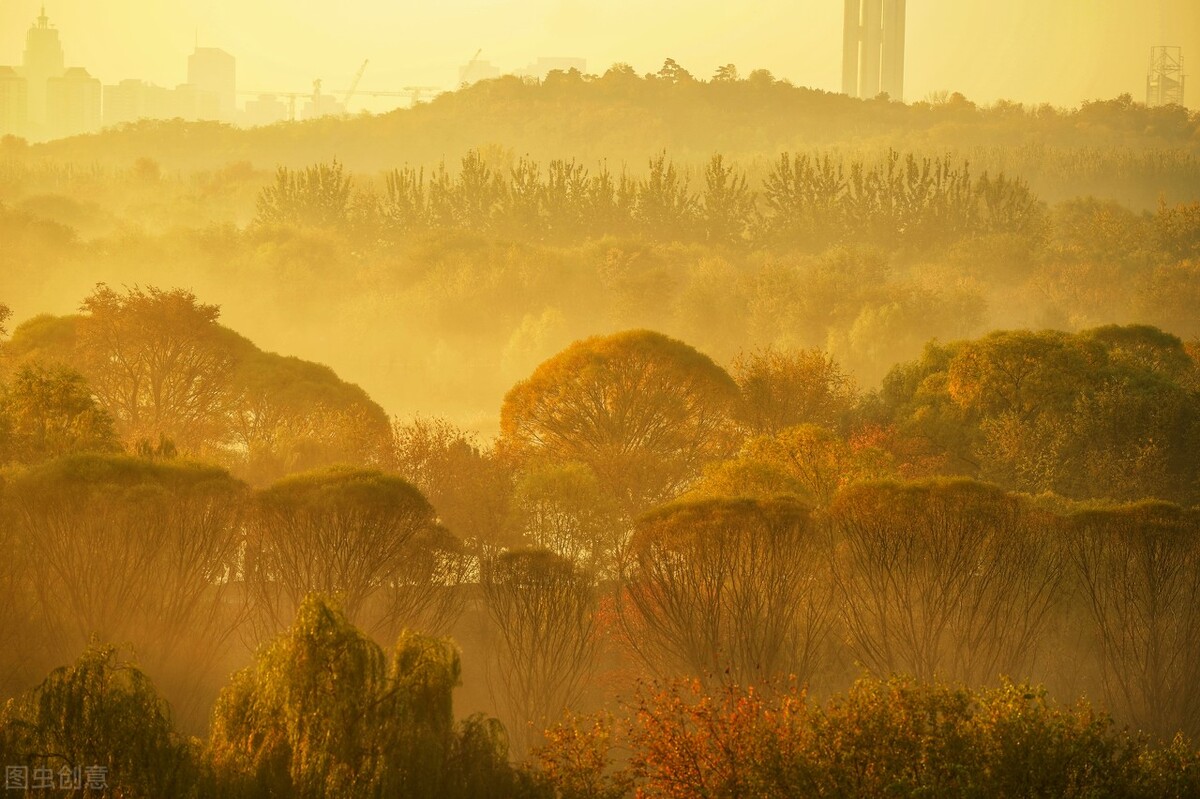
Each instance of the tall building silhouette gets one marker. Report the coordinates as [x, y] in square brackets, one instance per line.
[214, 71]
[43, 61]
[873, 48]
[14, 102]
[72, 103]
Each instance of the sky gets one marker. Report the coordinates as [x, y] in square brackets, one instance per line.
[1032, 51]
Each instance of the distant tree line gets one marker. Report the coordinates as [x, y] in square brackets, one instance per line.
[811, 202]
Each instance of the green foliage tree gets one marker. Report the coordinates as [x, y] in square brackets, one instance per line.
[785, 388]
[562, 508]
[324, 713]
[728, 204]
[1106, 412]
[98, 728]
[291, 416]
[469, 487]
[666, 208]
[49, 411]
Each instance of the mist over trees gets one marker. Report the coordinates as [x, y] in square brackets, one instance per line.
[678, 437]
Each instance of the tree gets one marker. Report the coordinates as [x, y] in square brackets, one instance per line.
[468, 486]
[99, 723]
[666, 208]
[324, 713]
[671, 72]
[1107, 412]
[733, 587]
[292, 415]
[123, 549]
[644, 412]
[785, 388]
[1140, 573]
[563, 509]
[158, 363]
[728, 203]
[5, 315]
[946, 579]
[49, 412]
[318, 196]
[727, 73]
[543, 609]
[368, 538]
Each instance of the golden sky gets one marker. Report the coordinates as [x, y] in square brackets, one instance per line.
[1057, 51]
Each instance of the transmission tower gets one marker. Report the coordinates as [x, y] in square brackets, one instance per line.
[1164, 82]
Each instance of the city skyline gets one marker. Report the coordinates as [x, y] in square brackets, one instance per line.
[265, 48]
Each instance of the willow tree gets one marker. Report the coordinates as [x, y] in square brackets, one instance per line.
[642, 410]
[324, 712]
[1140, 571]
[947, 579]
[369, 538]
[543, 610]
[122, 549]
[100, 727]
[736, 587]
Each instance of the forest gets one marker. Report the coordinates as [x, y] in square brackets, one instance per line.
[558, 440]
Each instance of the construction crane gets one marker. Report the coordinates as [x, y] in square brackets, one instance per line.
[464, 79]
[354, 83]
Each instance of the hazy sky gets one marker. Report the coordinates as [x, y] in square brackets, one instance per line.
[1057, 51]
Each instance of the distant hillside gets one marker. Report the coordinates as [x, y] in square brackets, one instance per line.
[625, 119]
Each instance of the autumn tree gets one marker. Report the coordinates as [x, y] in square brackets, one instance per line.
[123, 549]
[1106, 412]
[158, 364]
[468, 486]
[49, 411]
[543, 612]
[368, 538]
[735, 587]
[946, 579]
[641, 410]
[785, 388]
[1140, 573]
[5, 315]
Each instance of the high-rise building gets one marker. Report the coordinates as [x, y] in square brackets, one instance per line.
[266, 110]
[215, 71]
[14, 103]
[873, 48]
[72, 103]
[131, 100]
[43, 61]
